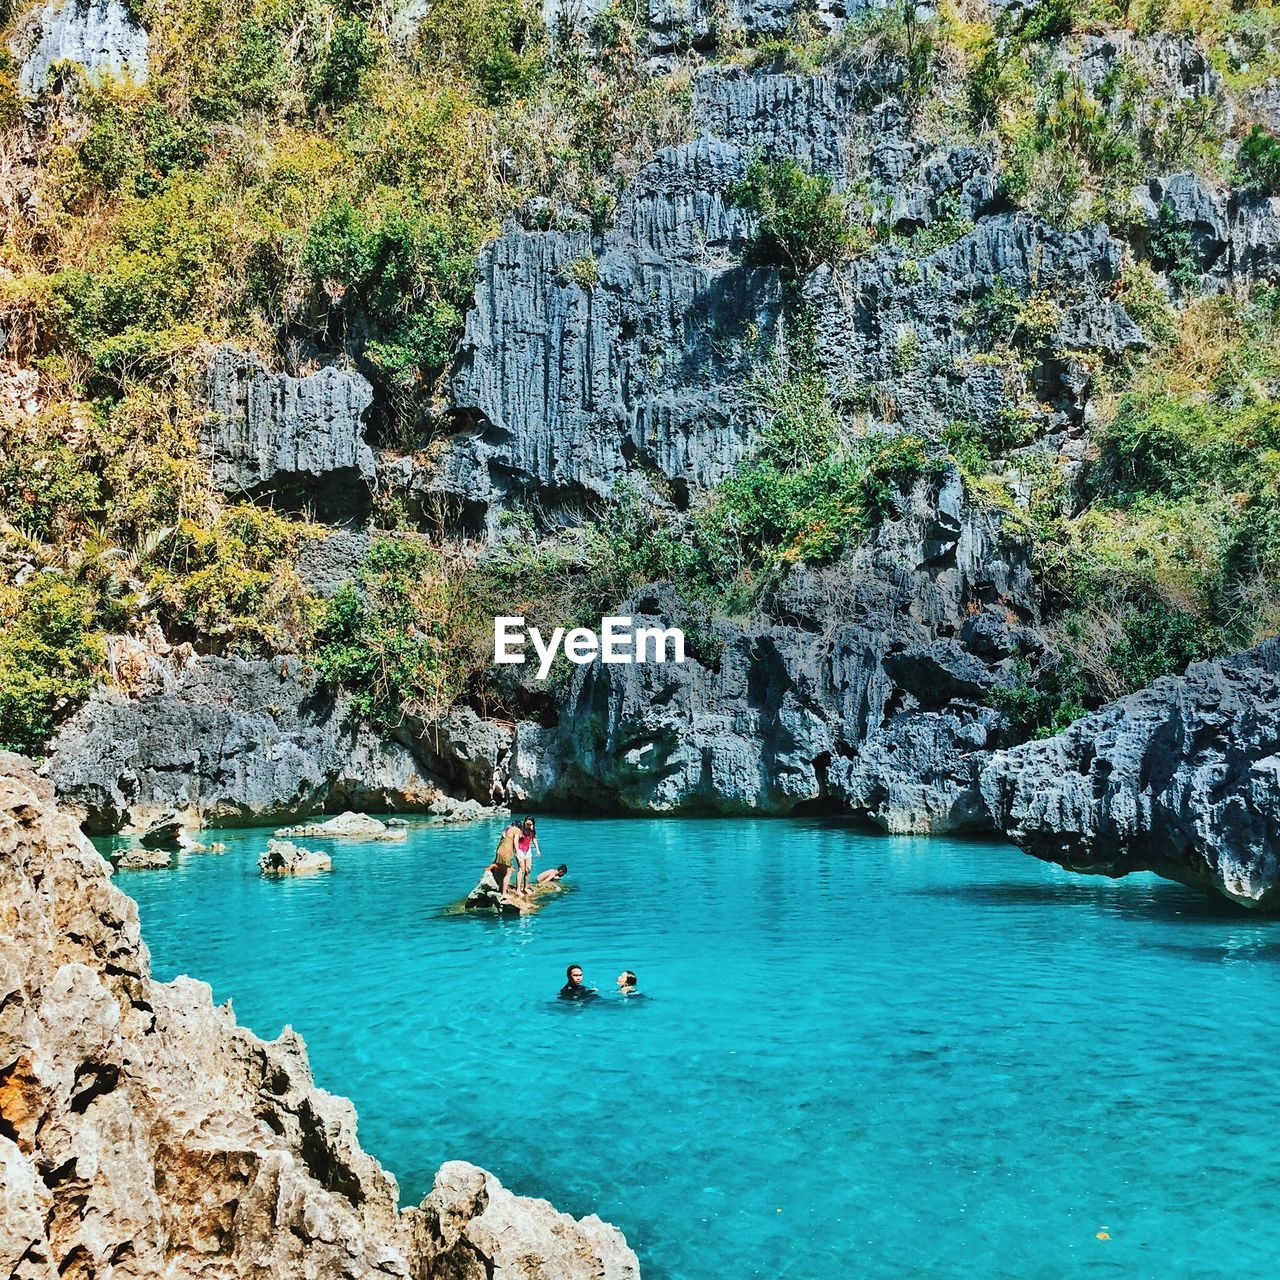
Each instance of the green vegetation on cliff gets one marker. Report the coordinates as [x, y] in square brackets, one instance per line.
[312, 180]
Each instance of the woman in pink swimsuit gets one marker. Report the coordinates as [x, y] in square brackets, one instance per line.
[526, 850]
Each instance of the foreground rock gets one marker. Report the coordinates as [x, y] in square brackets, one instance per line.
[478, 1230]
[1182, 778]
[227, 741]
[284, 858]
[350, 826]
[144, 1133]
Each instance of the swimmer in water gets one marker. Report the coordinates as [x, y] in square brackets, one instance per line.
[573, 989]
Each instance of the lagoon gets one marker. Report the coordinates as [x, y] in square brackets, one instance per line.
[858, 1055]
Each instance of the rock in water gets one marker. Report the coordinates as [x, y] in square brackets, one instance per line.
[144, 860]
[283, 858]
[353, 826]
[164, 833]
[1181, 778]
[144, 1133]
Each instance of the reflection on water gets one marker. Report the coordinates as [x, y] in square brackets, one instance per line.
[858, 1056]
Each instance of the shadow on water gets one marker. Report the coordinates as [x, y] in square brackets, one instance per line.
[1162, 901]
[1232, 950]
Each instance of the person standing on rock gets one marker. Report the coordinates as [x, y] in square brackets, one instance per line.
[526, 850]
[506, 853]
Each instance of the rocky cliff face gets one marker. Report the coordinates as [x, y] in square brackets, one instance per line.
[100, 35]
[225, 740]
[299, 441]
[1182, 778]
[142, 1132]
[865, 688]
[589, 359]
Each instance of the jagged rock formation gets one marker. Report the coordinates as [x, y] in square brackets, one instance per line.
[579, 367]
[865, 688]
[102, 36]
[142, 1132]
[226, 740]
[587, 360]
[1181, 778]
[475, 1229]
[284, 858]
[299, 439]
[1234, 235]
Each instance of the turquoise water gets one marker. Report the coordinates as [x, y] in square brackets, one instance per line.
[859, 1056]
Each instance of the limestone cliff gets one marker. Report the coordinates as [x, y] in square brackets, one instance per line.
[144, 1133]
[1182, 778]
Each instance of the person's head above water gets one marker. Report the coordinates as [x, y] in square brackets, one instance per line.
[627, 980]
[574, 974]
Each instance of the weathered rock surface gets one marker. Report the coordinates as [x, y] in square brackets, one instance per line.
[226, 741]
[588, 360]
[284, 858]
[144, 860]
[102, 36]
[469, 753]
[857, 691]
[164, 832]
[474, 1229]
[143, 1132]
[1181, 778]
[351, 826]
[1233, 235]
[299, 439]
[326, 564]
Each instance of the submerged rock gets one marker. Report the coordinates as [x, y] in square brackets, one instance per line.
[143, 1132]
[283, 858]
[1181, 778]
[353, 826]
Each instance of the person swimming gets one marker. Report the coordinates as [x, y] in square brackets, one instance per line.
[526, 850]
[627, 984]
[573, 988]
[552, 875]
